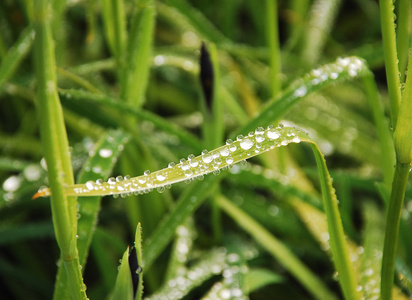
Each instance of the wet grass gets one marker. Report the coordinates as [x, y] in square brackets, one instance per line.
[107, 108]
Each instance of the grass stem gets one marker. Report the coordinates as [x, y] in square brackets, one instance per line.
[392, 229]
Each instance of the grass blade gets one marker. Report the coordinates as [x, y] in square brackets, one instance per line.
[285, 257]
[56, 150]
[183, 135]
[98, 166]
[19, 51]
[338, 245]
[343, 69]
[124, 288]
[138, 56]
[391, 57]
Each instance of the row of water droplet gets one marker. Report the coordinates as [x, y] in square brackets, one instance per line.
[352, 65]
[242, 148]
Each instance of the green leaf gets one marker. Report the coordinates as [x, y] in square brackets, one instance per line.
[16, 54]
[123, 289]
[257, 278]
[98, 166]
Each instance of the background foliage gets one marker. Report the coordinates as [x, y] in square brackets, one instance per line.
[127, 77]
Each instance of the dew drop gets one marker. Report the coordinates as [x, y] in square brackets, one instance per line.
[90, 185]
[246, 144]
[206, 157]
[111, 181]
[160, 177]
[259, 138]
[12, 184]
[300, 92]
[273, 134]
[224, 151]
[105, 152]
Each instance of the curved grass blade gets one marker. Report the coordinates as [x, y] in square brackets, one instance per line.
[343, 69]
[193, 167]
[262, 140]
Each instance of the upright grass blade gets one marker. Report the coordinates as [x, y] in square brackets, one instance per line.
[385, 139]
[272, 36]
[98, 166]
[56, 150]
[129, 282]
[124, 287]
[322, 16]
[403, 148]
[404, 16]
[275, 247]
[115, 30]
[139, 256]
[138, 56]
[338, 245]
[391, 57]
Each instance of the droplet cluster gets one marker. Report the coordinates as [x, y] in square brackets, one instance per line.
[193, 167]
[181, 285]
[352, 65]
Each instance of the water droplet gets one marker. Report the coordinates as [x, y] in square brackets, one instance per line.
[246, 144]
[273, 134]
[90, 185]
[97, 169]
[139, 270]
[111, 181]
[12, 184]
[188, 173]
[160, 177]
[105, 152]
[206, 157]
[259, 138]
[224, 151]
[229, 160]
[301, 91]
[32, 172]
[119, 178]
